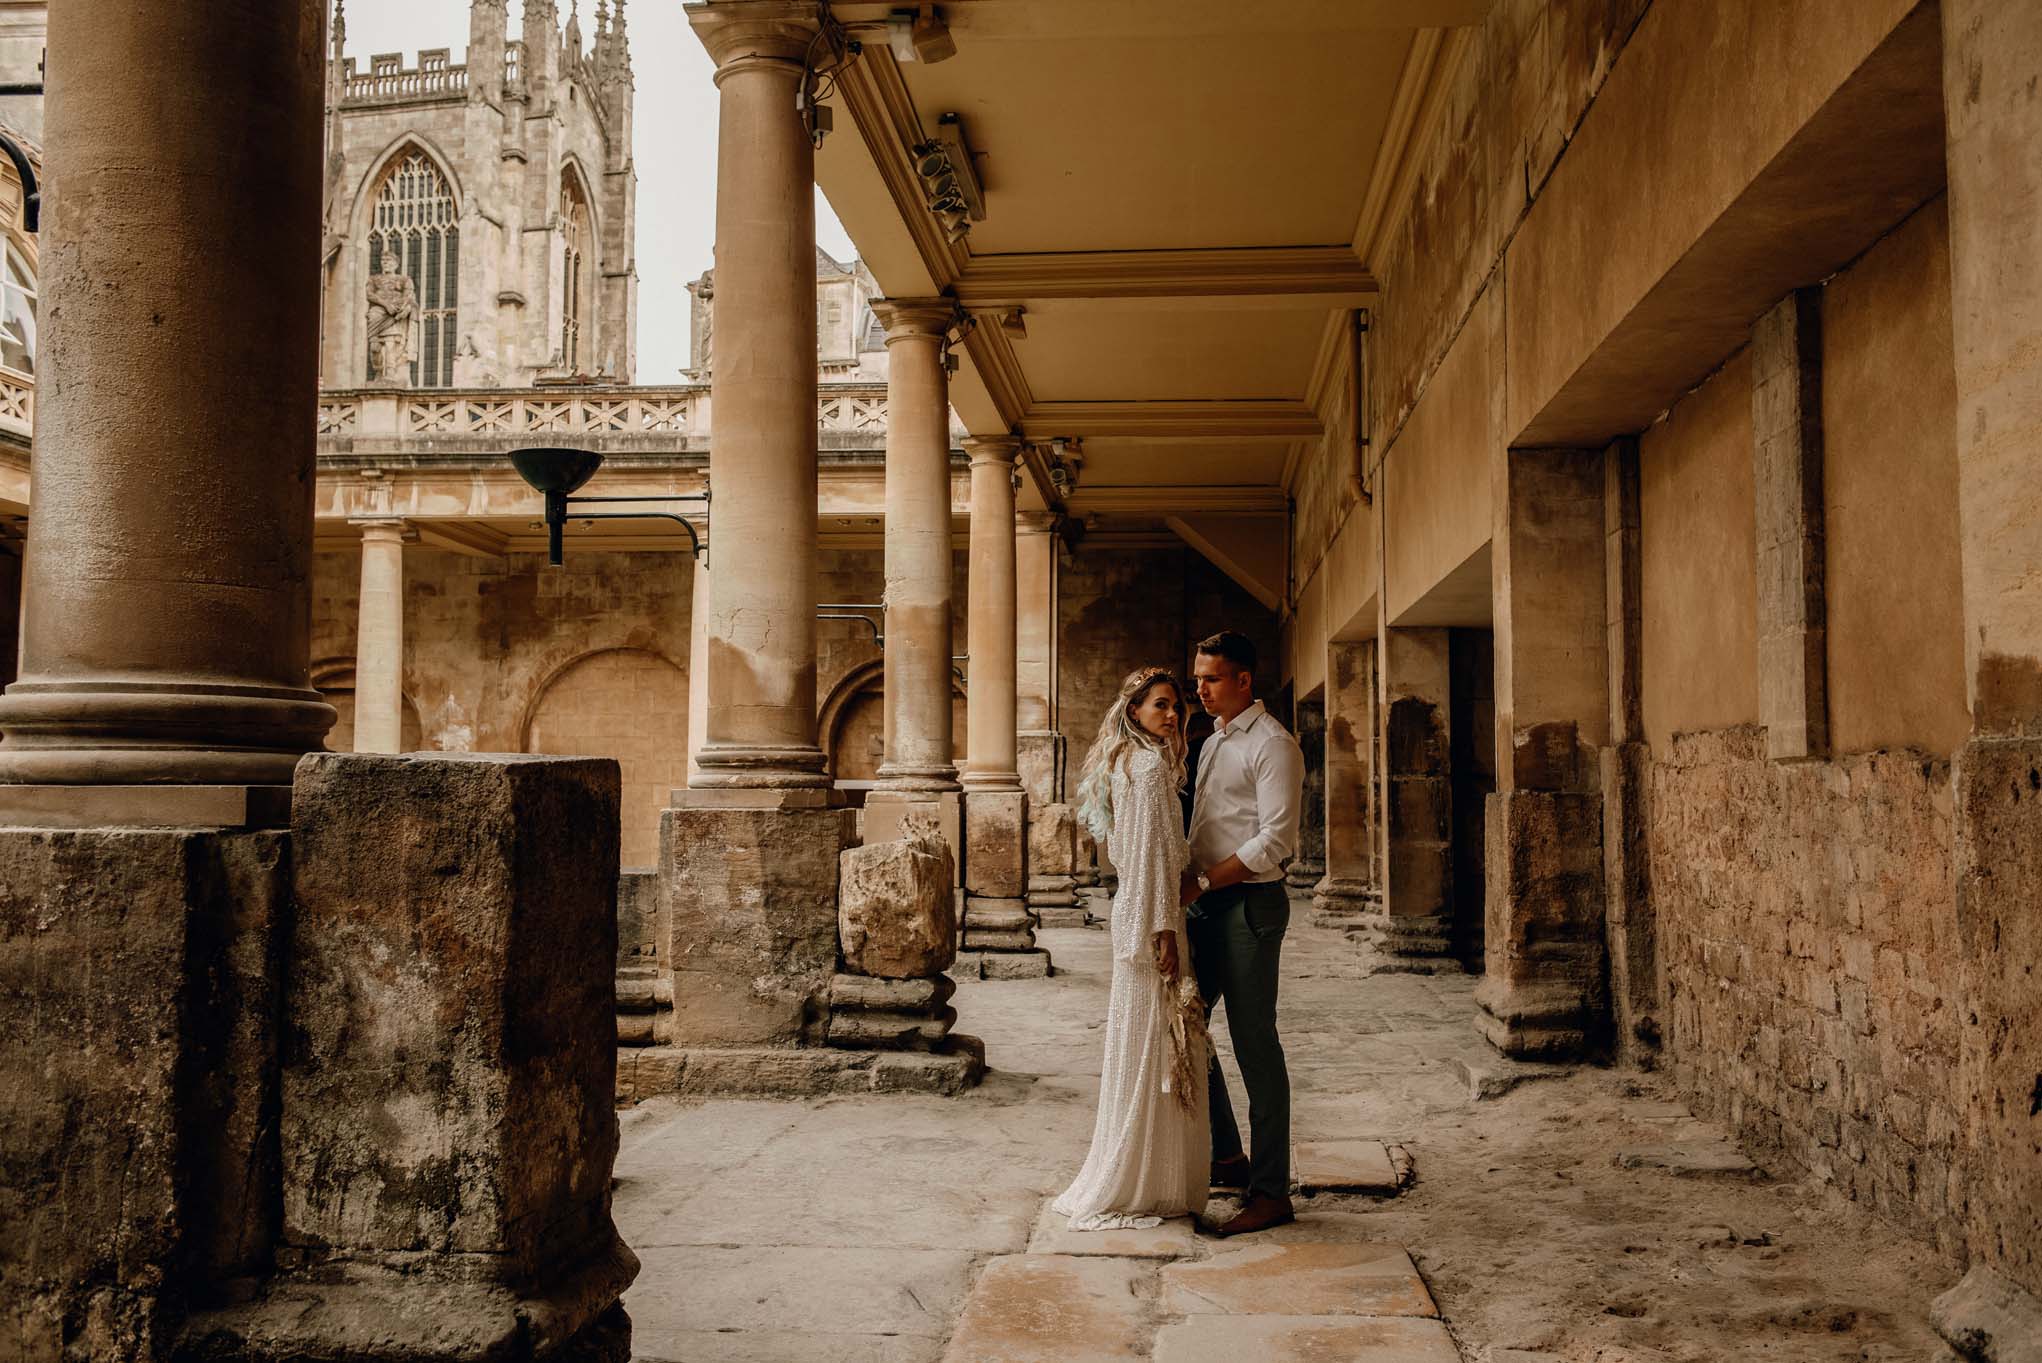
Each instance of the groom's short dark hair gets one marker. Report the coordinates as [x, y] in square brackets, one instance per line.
[1230, 647]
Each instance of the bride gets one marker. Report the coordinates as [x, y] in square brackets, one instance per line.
[1151, 1145]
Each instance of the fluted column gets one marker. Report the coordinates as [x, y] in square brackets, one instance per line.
[166, 598]
[379, 639]
[760, 721]
[918, 586]
[992, 761]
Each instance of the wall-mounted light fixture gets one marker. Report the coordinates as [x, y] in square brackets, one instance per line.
[1014, 322]
[950, 180]
[556, 473]
[919, 36]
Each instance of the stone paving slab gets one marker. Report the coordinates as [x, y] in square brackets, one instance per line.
[767, 1288]
[1489, 1075]
[1314, 1279]
[1306, 1339]
[1176, 1238]
[1345, 1167]
[780, 1346]
[1055, 1308]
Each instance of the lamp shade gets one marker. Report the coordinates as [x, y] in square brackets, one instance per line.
[550, 469]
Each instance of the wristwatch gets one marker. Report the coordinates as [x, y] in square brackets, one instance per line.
[1204, 882]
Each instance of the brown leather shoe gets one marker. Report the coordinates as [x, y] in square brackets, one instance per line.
[1230, 1173]
[1262, 1212]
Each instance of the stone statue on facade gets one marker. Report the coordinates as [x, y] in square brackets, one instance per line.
[393, 324]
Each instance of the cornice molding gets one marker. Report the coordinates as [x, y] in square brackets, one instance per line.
[1247, 499]
[1248, 271]
[1415, 111]
[883, 111]
[1223, 419]
[999, 368]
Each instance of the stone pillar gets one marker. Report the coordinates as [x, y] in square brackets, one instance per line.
[1633, 937]
[1543, 990]
[1417, 792]
[995, 807]
[166, 603]
[918, 590]
[1309, 865]
[1786, 453]
[698, 664]
[1347, 897]
[1990, 54]
[1041, 743]
[10, 611]
[379, 639]
[760, 725]
[992, 762]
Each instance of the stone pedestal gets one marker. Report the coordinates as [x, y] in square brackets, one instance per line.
[1040, 755]
[1543, 993]
[1053, 865]
[447, 1127]
[1353, 906]
[1418, 794]
[996, 844]
[890, 816]
[137, 1080]
[897, 922]
[750, 899]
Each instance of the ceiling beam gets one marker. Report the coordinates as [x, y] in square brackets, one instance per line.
[1310, 272]
[1243, 499]
[1219, 419]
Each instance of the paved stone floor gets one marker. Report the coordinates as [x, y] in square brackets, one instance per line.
[1585, 1216]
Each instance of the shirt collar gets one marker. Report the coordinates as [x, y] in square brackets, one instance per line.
[1242, 722]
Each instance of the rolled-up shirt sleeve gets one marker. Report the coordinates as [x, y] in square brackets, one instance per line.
[1279, 795]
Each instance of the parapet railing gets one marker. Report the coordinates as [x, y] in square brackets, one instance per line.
[17, 402]
[682, 410]
[387, 78]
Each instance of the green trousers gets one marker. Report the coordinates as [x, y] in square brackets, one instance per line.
[1236, 950]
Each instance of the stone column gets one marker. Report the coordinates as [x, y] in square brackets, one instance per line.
[166, 603]
[1990, 53]
[918, 589]
[698, 665]
[992, 696]
[760, 725]
[379, 639]
[1544, 991]
[1633, 936]
[10, 611]
[1041, 744]
[1309, 865]
[1346, 895]
[1417, 792]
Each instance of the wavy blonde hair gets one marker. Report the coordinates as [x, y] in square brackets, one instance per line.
[1120, 735]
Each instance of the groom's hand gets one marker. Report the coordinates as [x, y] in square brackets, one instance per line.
[1187, 889]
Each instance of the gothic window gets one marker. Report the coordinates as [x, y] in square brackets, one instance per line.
[577, 261]
[17, 315]
[417, 222]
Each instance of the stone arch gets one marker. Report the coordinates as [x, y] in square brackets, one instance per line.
[850, 725]
[334, 680]
[630, 704]
[578, 270]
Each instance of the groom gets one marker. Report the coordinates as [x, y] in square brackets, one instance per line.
[1244, 826]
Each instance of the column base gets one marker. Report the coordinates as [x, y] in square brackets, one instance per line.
[919, 780]
[42, 806]
[870, 1014]
[1416, 935]
[395, 1314]
[1303, 874]
[1052, 892]
[1032, 964]
[1350, 905]
[82, 733]
[727, 766]
[1528, 1023]
[1544, 993]
[798, 1072]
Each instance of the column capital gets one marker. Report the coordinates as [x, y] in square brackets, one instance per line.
[1036, 522]
[993, 449]
[736, 30]
[915, 316]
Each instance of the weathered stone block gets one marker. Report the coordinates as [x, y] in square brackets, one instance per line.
[1052, 840]
[1040, 759]
[450, 1064]
[897, 909]
[996, 843]
[751, 899]
[893, 816]
[137, 1079]
[639, 929]
[1543, 992]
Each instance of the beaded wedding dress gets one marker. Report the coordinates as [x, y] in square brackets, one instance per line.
[1151, 1144]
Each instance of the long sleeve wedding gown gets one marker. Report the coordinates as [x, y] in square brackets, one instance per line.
[1151, 1147]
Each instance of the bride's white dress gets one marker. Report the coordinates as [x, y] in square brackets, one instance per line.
[1151, 1153]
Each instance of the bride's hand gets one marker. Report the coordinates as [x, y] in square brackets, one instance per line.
[1166, 954]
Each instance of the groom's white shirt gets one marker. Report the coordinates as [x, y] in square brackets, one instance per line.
[1251, 780]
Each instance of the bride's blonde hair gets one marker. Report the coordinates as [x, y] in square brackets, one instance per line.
[1121, 734]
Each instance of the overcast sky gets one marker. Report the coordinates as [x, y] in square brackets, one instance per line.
[675, 135]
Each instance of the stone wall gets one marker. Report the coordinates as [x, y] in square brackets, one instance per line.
[1807, 922]
[1126, 608]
